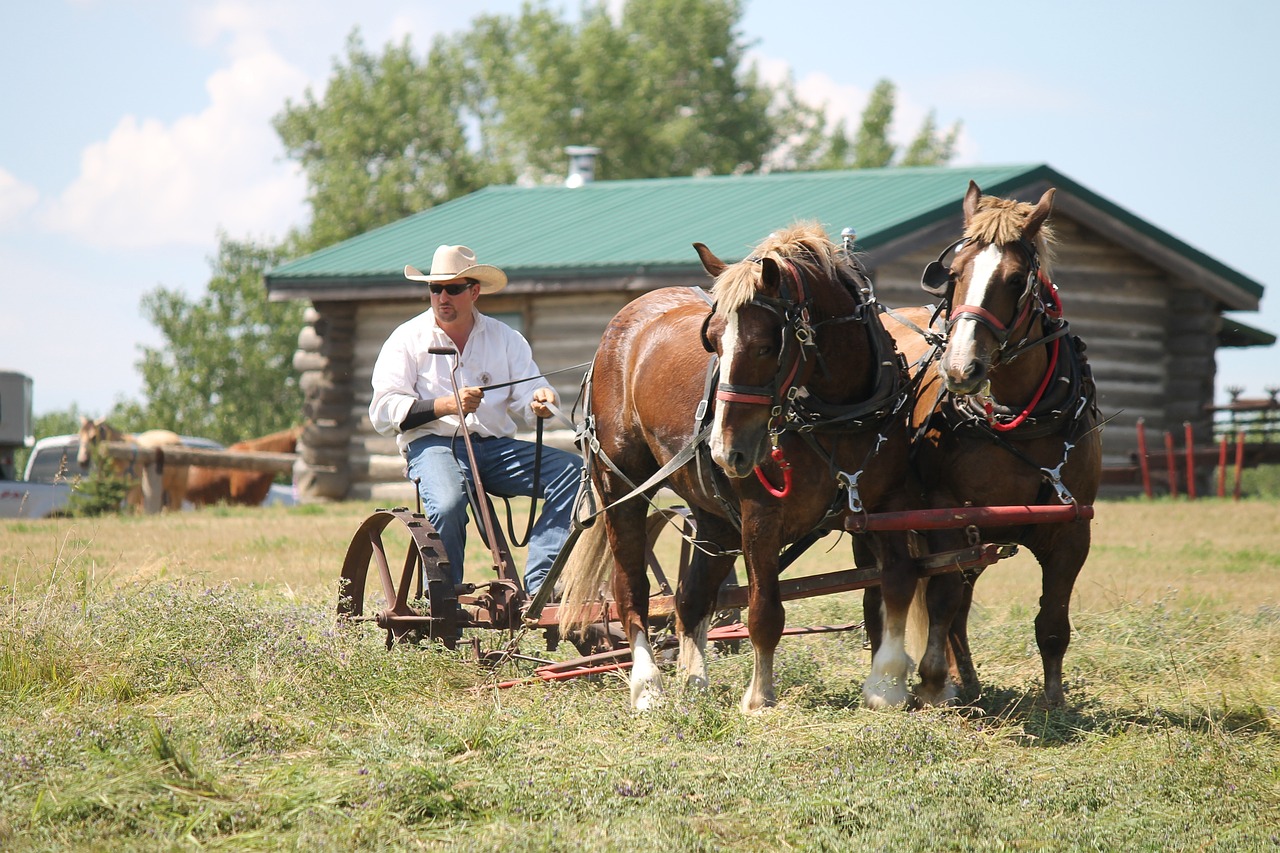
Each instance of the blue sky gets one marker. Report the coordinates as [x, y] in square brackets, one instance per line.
[134, 131]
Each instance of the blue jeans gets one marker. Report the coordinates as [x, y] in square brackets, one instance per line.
[439, 464]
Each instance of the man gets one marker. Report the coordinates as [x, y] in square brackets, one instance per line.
[413, 399]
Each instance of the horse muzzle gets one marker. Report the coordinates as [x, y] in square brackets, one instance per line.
[738, 451]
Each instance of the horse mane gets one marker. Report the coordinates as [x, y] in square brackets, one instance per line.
[1001, 221]
[803, 241]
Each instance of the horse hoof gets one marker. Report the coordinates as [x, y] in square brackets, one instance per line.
[882, 696]
[645, 698]
[940, 698]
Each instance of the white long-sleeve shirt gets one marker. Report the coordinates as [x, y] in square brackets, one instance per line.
[405, 372]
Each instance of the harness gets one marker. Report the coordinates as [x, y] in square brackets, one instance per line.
[1066, 391]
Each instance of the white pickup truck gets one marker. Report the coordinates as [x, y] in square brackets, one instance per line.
[51, 474]
[46, 485]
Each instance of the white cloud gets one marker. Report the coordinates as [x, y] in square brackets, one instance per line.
[152, 183]
[16, 198]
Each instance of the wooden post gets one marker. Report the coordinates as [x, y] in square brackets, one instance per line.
[1239, 461]
[1144, 464]
[1222, 466]
[1170, 463]
[152, 489]
[1191, 461]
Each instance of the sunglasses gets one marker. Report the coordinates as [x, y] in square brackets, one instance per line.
[453, 289]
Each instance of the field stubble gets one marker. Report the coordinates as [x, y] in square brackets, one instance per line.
[180, 682]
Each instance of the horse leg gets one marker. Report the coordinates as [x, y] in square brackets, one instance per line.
[959, 654]
[626, 530]
[1061, 555]
[696, 595]
[873, 625]
[765, 614]
[943, 598]
[886, 686]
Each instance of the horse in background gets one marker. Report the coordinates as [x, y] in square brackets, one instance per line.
[810, 392]
[1007, 417]
[173, 478]
[243, 488]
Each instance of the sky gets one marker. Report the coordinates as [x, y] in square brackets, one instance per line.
[134, 132]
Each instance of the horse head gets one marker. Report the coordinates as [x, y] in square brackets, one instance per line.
[760, 327]
[993, 285]
[92, 432]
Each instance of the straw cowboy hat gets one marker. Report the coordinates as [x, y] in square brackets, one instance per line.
[452, 263]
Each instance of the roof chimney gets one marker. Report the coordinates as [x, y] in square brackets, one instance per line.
[582, 164]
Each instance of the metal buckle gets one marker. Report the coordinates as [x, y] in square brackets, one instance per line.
[850, 482]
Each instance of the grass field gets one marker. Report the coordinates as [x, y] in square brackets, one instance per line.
[178, 682]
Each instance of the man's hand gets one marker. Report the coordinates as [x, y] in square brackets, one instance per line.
[470, 397]
[540, 398]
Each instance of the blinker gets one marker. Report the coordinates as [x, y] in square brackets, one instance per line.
[936, 280]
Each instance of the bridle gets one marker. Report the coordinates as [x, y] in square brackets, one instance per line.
[797, 344]
[1039, 298]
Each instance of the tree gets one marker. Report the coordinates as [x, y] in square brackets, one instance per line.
[226, 369]
[388, 139]
[662, 92]
[392, 135]
[871, 147]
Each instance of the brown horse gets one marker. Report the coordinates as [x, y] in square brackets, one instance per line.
[244, 488]
[1007, 418]
[173, 477]
[808, 422]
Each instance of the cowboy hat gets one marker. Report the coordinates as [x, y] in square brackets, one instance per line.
[452, 263]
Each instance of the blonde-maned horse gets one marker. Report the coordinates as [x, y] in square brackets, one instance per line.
[173, 477]
[804, 367]
[1008, 416]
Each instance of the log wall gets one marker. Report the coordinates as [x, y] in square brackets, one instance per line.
[1151, 341]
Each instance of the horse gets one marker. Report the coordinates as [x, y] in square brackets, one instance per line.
[173, 481]
[1007, 417]
[807, 424]
[244, 488]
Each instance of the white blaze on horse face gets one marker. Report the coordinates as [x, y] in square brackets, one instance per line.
[646, 679]
[728, 346]
[962, 349]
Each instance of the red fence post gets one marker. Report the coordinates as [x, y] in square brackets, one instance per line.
[1144, 464]
[1222, 467]
[1170, 464]
[1191, 461]
[1239, 461]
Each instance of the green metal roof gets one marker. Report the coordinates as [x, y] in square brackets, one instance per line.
[610, 228]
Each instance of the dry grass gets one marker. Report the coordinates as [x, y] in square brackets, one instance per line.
[177, 682]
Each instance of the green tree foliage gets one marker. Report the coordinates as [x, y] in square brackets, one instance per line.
[226, 369]
[662, 90]
[387, 140]
[871, 147]
[102, 492]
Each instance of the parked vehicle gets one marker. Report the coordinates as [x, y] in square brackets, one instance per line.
[51, 475]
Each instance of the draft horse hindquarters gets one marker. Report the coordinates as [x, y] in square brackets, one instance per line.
[806, 423]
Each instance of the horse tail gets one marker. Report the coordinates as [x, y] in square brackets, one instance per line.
[917, 635]
[588, 567]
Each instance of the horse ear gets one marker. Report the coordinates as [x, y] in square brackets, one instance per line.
[1042, 210]
[770, 275]
[84, 422]
[971, 197]
[710, 262]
